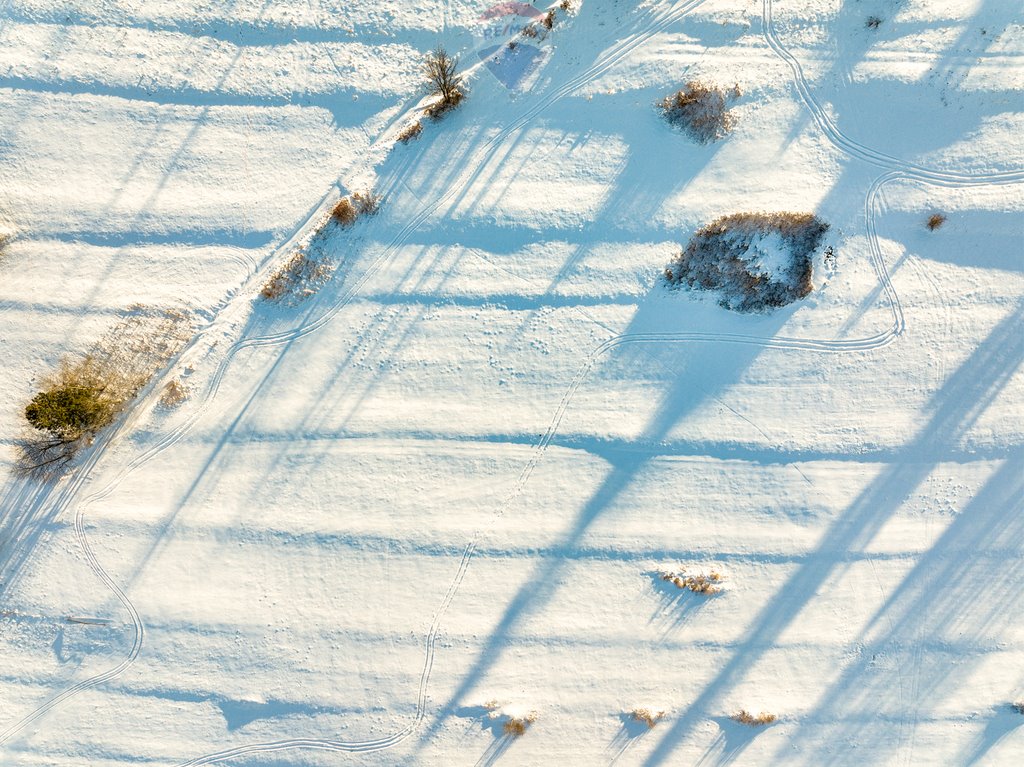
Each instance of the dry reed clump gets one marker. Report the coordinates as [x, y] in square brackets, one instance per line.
[84, 396]
[548, 20]
[873, 22]
[739, 256]
[698, 583]
[173, 394]
[297, 279]
[410, 132]
[344, 212]
[1018, 706]
[701, 110]
[751, 720]
[935, 220]
[646, 716]
[366, 203]
[516, 726]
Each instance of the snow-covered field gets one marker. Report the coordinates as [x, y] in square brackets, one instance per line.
[452, 477]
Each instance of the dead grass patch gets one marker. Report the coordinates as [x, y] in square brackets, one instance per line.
[701, 110]
[935, 220]
[516, 726]
[85, 395]
[173, 394]
[699, 583]
[647, 717]
[410, 132]
[298, 279]
[753, 720]
[1018, 706]
[758, 261]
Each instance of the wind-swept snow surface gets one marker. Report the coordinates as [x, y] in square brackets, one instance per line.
[438, 496]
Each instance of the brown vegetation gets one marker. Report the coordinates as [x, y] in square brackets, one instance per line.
[751, 720]
[698, 583]
[410, 132]
[516, 726]
[85, 395]
[298, 278]
[646, 716]
[701, 110]
[935, 220]
[173, 394]
[723, 255]
[441, 70]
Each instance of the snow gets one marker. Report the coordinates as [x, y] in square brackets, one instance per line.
[438, 493]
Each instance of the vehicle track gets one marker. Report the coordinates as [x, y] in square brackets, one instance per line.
[896, 168]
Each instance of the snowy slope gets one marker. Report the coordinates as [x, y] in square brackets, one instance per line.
[453, 475]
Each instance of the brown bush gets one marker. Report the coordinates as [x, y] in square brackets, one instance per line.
[298, 278]
[344, 212]
[646, 716]
[1018, 706]
[760, 720]
[873, 22]
[701, 110]
[366, 203]
[548, 20]
[718, 257]
[698, 583]
[173, 394]
[935, 221]
[410, 132]
[516, 726]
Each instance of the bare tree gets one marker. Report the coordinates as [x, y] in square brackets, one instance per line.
[441, 70]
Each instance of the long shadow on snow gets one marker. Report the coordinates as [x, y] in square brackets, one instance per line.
[955, 408]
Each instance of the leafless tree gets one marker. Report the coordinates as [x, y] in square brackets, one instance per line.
[441, 70]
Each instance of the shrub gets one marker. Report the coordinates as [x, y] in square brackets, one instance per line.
[698, 583]
[173, 394]
[935, 221]
[516, 726]
[646, 716]
[548, 20]
[759, 261]
[873, 22]
[344, 212]
[760, 720]
[529, 30]
[701, 110]
[441, 70]
[410, 132]
[70, 409]
[298, 278]
[1018, 706]
[366, 203]
[84, 396]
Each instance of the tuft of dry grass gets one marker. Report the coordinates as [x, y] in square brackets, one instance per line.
[752, 720]
[699, 583]
[646, 716]
[530, 30]
[366, 203]
[1018, 706]
[410, 132]
[935, 220]
[297, 279]
[548, 20]
[174, 393]
[701, 110]
[344, 212]
[516, 726]
[873, 22]
[566, 5]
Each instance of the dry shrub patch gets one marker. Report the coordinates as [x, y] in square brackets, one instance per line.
[646, 716]
[516, 726]
[699, 583]
[758, 261]
[173, 394]
[297, 279]
[752, 720]
[701, 110]
[344, 212]
[1018, 706]
[410, 132]
[935, 221]
[873, 22]
[84, 396]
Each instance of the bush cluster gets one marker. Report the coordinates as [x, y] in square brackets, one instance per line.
[701, 110]
[719, 257]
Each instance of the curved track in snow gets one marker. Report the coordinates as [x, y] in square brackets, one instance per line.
[896, 169]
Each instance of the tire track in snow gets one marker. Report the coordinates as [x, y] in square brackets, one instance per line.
[897, 169]
[301, 235]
